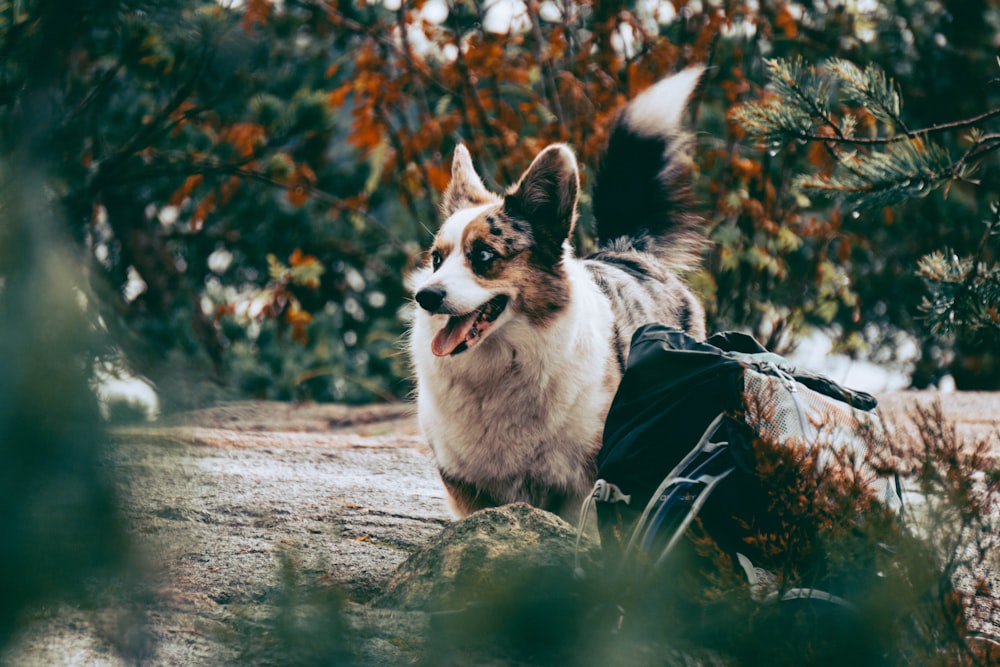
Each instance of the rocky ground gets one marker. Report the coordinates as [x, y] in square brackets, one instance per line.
[233, 505]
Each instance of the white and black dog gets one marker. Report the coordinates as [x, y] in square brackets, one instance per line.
[517, 345]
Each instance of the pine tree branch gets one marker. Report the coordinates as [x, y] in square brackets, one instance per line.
[887, 177]
[964, 293]
[983, 145]
[871, 171]
[869, 141]
[802, 90]
[992, 229]
[809, 101]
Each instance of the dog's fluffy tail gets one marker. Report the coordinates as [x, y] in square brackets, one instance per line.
[642, 194]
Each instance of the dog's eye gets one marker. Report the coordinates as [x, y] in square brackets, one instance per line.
[483, 257]
[436, 260]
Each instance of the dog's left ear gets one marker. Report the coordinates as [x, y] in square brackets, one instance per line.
[546, 197]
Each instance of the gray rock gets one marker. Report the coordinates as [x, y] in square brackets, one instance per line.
[488, 555]
[499, 590]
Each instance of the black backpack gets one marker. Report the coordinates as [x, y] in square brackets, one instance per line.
[679, 448]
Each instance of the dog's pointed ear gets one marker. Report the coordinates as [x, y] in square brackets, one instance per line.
[466, 189]
[546, 197]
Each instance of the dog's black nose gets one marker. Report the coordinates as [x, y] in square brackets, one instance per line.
[430, 298]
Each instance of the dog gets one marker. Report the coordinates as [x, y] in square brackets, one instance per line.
[517, 345]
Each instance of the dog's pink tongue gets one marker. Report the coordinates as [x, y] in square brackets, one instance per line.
[453, 334]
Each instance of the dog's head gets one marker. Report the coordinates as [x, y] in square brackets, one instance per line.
[496, 258]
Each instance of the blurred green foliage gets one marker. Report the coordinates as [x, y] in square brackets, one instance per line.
[192, 140]
[304, 623]
[191, 145]
[62, 532]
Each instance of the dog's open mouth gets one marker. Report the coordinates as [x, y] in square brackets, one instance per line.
[463, 331]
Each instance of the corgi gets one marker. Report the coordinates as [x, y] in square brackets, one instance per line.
[517, 345]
